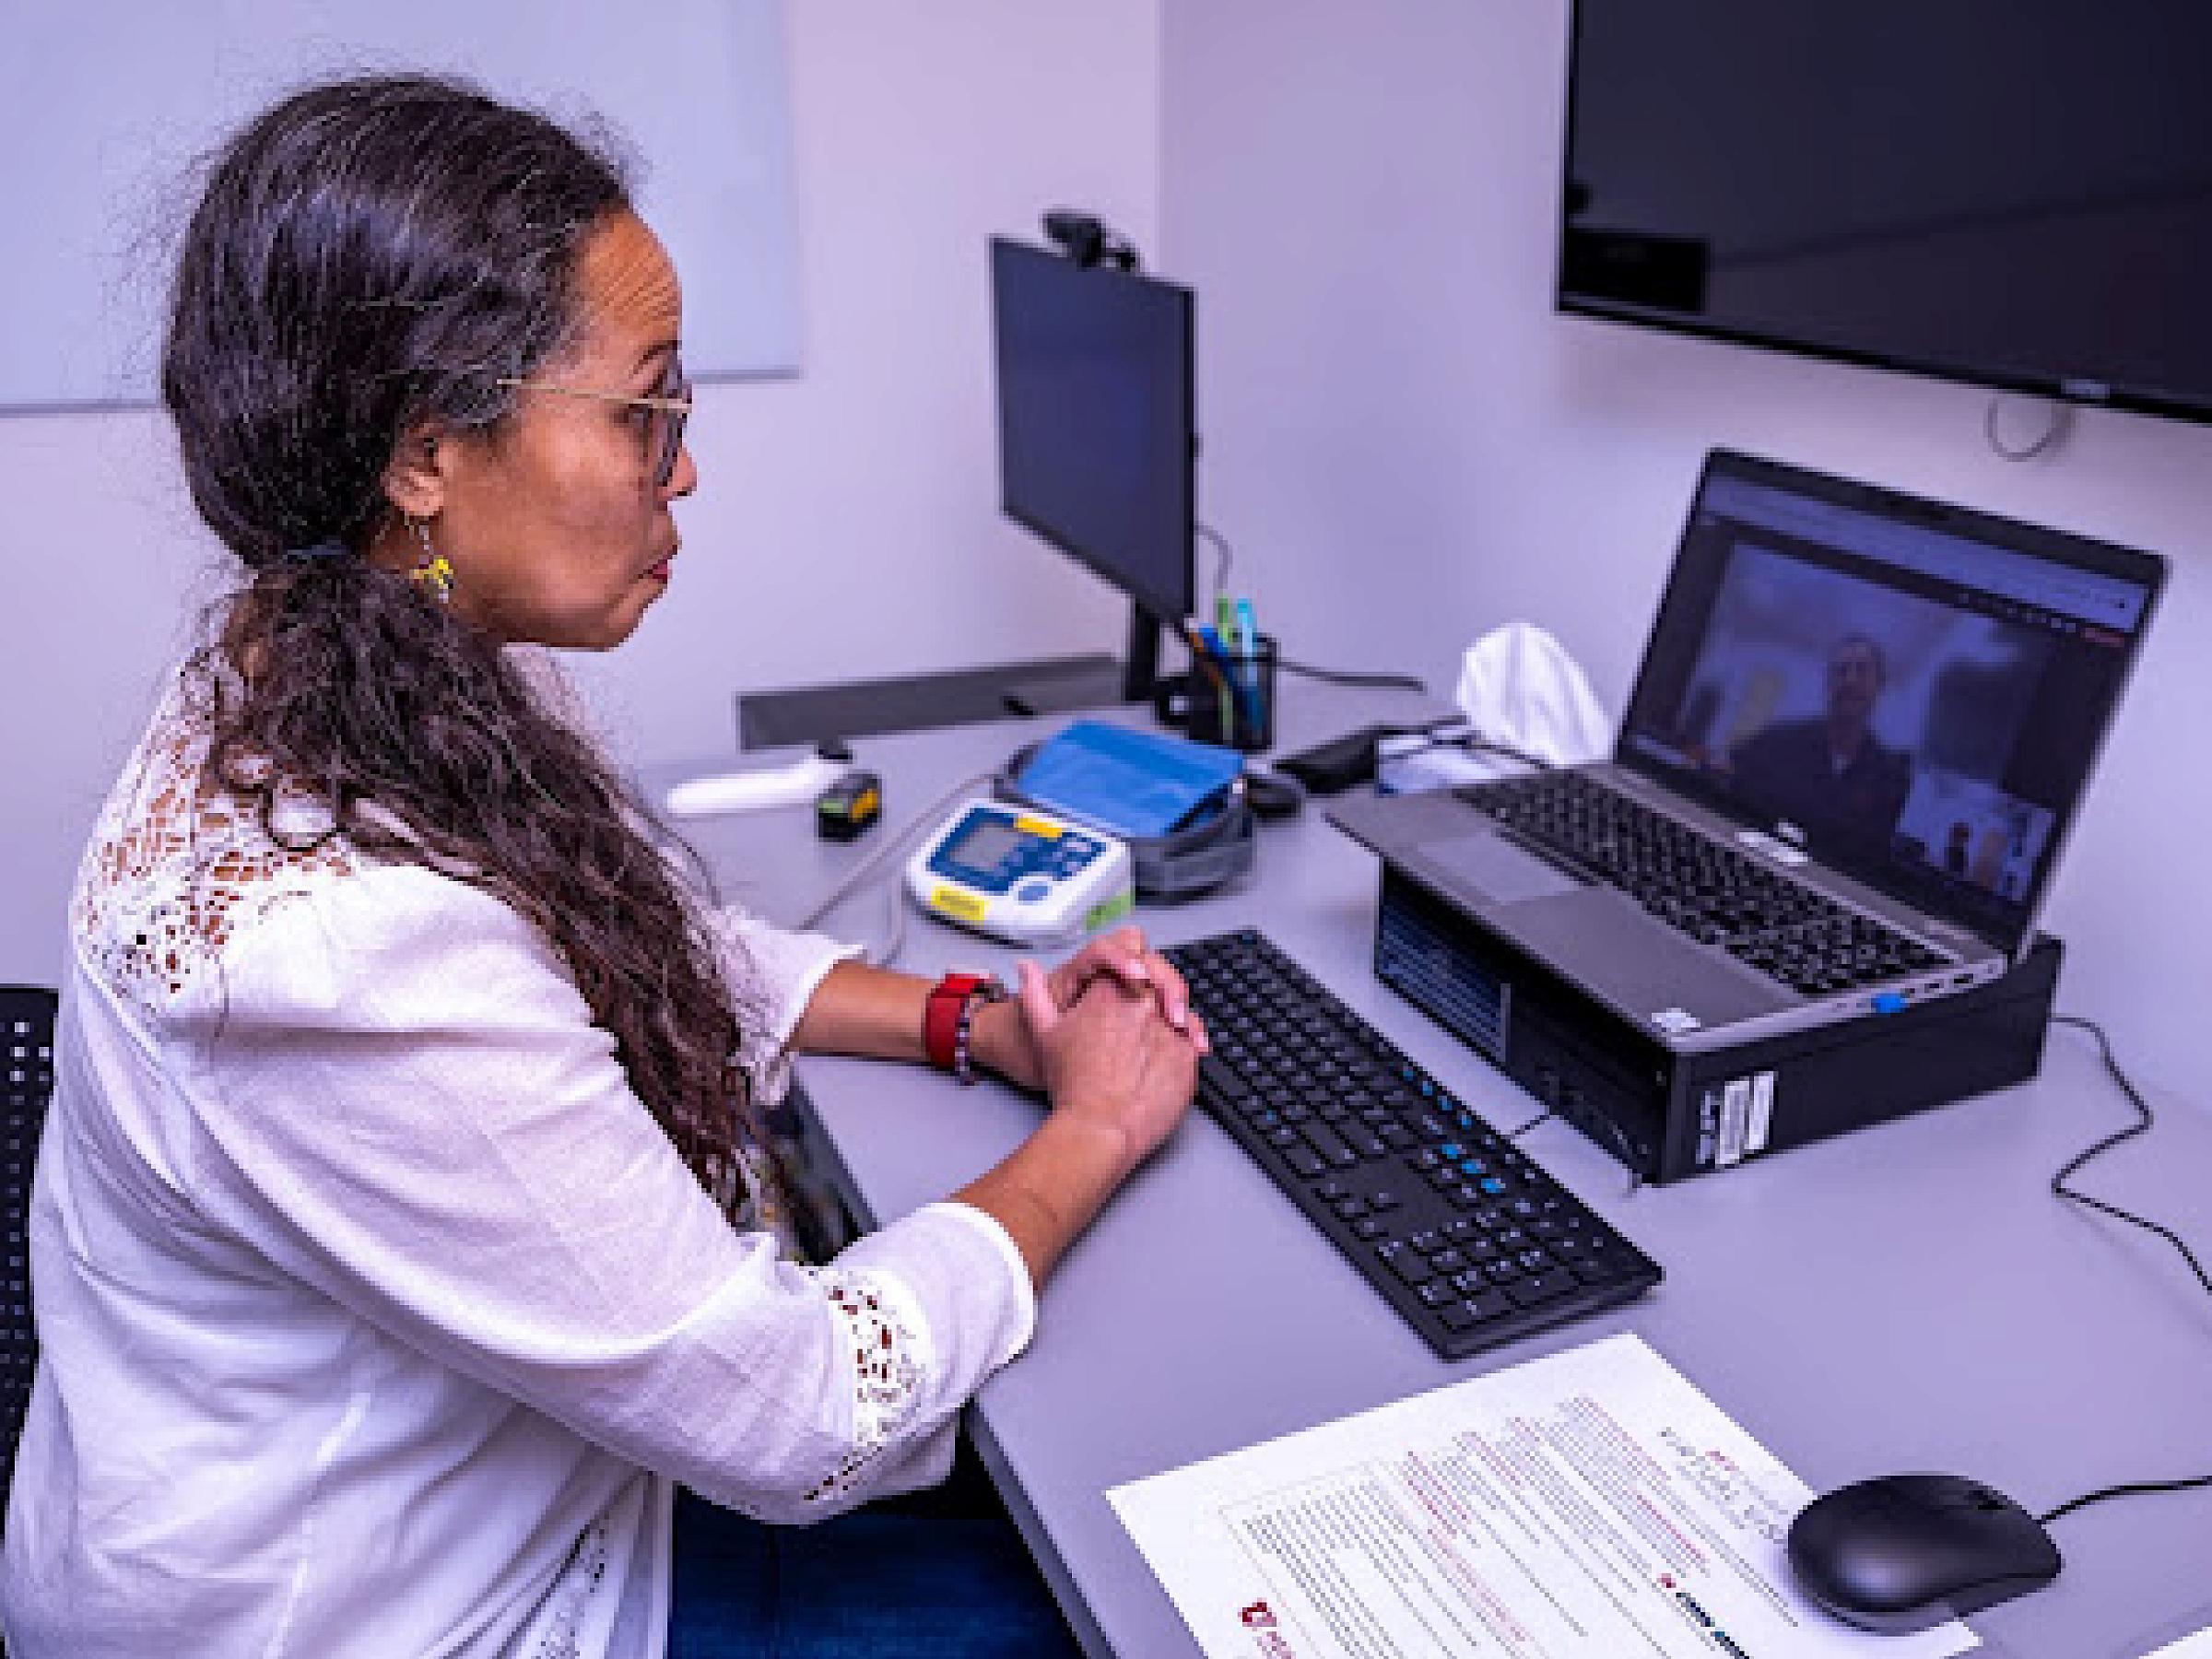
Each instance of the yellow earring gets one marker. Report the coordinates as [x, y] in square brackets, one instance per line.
[431, 572]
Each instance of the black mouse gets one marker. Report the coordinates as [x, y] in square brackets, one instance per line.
[1274, 794]
[1906, 1551]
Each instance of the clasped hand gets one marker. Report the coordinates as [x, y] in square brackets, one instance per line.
[1107, 1034]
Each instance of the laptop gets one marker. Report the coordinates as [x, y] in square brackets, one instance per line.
[1862, 728]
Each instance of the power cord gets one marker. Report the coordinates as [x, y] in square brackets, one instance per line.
[2058, 1185]
[1473, 743]
[1336, 676]
[2142, 1125]
[867, 866]
[1228, 557]
[1352, 677]
[1543, 1116]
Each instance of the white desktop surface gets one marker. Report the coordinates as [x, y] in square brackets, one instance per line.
[1910, 1297]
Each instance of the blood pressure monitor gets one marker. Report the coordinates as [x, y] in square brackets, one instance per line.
[1020, 875]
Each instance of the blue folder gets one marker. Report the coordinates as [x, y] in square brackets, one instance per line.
[1131, 784]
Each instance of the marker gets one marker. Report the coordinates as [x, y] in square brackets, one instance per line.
[1248, 649]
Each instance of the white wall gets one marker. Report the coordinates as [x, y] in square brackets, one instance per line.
[846, 521]
[1407, 446]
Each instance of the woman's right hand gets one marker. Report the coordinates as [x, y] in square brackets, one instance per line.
[1120, 1078]
[1112, 1065]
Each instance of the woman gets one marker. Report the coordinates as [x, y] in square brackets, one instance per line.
[404, 1232]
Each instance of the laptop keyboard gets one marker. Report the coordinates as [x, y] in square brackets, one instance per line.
[1704, 887]
[1455, 1225]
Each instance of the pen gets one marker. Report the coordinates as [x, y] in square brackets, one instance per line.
[1206, 652]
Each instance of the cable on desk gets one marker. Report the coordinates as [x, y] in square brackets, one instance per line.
[2141, 1124]
[1543, 1116]
[2131, 1489]
[1352, 677]
[897, 843]
[1474, 744]
[1207, 532]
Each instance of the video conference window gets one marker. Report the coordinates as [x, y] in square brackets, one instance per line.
[1870, 718]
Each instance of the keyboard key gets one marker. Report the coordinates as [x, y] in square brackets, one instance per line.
[1215, 1075]
[1409, 1265]
[1323, 1140]
[1473, 1310]
[1534, 1287]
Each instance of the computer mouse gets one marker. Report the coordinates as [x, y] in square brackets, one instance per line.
[1902, 1552]
[1272, 794]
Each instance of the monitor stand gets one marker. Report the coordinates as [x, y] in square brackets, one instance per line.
[1140, 665]
[956, 697]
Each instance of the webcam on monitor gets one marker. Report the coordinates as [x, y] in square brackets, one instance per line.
[1088, 240]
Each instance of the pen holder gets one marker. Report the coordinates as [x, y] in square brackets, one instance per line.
[1232, 701]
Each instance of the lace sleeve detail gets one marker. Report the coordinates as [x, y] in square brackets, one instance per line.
[889, 1344]
[175, 870]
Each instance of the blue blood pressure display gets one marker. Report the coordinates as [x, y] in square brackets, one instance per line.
[1020, 875]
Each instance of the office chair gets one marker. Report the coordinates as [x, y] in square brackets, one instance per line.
[26, 1081]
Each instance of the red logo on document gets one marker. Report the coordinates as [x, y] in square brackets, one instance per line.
[1260, 1617]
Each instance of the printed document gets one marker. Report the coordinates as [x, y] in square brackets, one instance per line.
[1591, 1505]
[2198, 1646]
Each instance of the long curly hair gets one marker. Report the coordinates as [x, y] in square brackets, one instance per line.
[371, 254]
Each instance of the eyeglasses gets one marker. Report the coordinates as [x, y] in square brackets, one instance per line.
[664, 413]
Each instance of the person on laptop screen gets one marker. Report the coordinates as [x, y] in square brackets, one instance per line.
[1830, 773]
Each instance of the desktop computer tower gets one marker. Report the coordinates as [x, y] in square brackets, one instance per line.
[1668, 1114]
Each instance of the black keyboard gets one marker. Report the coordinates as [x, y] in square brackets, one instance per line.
[1702, 886]
[1460, 1230]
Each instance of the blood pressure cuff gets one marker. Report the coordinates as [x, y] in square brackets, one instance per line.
[1220, 842]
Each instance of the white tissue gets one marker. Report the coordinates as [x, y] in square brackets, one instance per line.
[1518, 687]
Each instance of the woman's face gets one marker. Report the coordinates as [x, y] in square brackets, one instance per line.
[555, 526]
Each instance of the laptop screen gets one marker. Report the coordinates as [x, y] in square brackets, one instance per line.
[1915, 693]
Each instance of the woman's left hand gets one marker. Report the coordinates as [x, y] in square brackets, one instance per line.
[1004, 1042]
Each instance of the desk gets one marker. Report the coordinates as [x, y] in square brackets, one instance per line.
[1908, 1297]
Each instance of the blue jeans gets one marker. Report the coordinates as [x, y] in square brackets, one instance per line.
[941, 1575]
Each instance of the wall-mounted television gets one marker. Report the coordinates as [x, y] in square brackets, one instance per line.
[2015, 192]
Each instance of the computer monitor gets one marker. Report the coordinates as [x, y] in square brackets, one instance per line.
[1095, 446]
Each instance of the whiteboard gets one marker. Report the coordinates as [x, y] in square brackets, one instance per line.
[107, 108]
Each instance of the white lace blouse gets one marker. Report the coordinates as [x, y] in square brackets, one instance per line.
[377, 1315]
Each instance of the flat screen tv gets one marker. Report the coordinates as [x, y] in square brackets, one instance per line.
[2015, 192]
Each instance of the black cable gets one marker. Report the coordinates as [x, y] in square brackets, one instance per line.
[2131, 1489]
[2141, 1126]
[2058, 1185]
[1348, 677]
[1543, 1116]
[1481, 746]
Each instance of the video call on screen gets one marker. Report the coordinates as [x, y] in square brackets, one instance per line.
[1917, 727]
